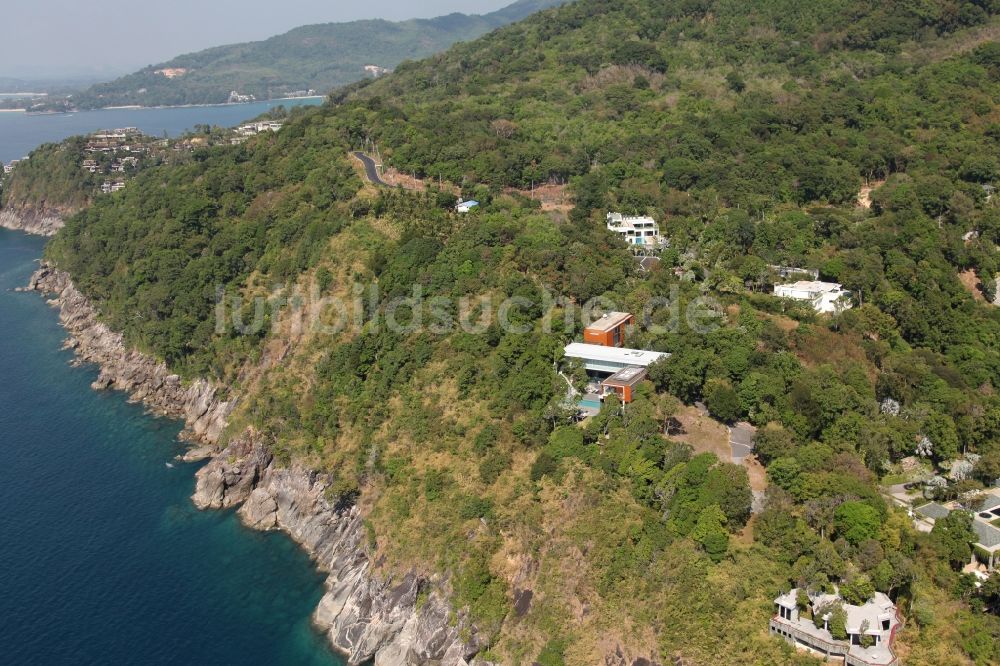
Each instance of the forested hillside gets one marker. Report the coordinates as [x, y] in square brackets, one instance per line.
[320, 57]
[857, 139]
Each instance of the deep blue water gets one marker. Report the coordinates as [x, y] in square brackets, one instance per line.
[21, 133]
[103, 558]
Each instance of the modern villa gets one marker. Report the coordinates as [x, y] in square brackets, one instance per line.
[826, 297]
[642, 231]
[602, 353]
[871, 628]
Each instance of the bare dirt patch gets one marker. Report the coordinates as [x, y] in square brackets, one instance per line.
[865, 193]
[703, 433]
[410, 182]
[970, 281]
[553, 197]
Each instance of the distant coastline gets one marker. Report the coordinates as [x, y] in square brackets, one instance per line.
[139, 107]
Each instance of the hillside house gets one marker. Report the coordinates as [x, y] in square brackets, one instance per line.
[641, 231]
[109, 186]
[827, 297]
[252, 129]
[465, 206]
[986, 548]
[873, 624]
[609, 330]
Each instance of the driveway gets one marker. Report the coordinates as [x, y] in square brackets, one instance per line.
[741, 440]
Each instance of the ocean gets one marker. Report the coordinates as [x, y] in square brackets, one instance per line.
[20, 133]
[103, 558]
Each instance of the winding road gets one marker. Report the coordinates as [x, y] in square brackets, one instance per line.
[371, 170]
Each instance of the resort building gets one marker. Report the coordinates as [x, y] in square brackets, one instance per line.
[609, 330]
[870, 628]
[642, 231]
[823, 296]
[466, 206]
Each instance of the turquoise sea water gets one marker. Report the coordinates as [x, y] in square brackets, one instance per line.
[103, 558]
[21, 133]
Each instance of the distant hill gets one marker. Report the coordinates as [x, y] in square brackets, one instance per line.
[319, 57]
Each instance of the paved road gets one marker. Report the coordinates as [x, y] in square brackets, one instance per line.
[370, 170]
[741, 439]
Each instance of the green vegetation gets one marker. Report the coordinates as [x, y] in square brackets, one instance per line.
[320, 57]
[748, 130]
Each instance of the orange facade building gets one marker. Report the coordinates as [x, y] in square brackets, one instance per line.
[609, 330]
[624, 382]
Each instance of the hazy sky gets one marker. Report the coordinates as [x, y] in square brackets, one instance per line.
[44, 38]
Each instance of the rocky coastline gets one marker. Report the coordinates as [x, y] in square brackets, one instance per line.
[394, 622]
[32, 221]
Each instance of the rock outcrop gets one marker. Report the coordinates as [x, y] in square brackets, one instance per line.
[145, 379]
[38, 222]
[363, 616]
[395, 622]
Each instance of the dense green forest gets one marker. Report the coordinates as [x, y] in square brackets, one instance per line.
[320, 57]
[754, 132]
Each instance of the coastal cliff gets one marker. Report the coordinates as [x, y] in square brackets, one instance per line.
[145, 379]
[32, 221]
[395, 622]
[363, 616]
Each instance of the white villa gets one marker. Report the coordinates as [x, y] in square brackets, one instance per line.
[642, 231]
[876, 621]
[824, 296]
[251, 129]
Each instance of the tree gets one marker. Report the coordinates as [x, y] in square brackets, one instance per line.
[723, 402]
[773, 441]
[682, 374]
[940, 430]
[728, 486]
[735, 82]
[838, 622]
[710, 532]
[953, 536]
[858, 590]
[784, 473]
[856, 521]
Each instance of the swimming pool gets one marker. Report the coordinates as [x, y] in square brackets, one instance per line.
[588, 403]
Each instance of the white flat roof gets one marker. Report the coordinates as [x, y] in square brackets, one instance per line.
[636, 357]
[812, 285]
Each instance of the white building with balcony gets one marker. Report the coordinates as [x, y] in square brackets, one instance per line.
[823, 296]
[642, 231]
